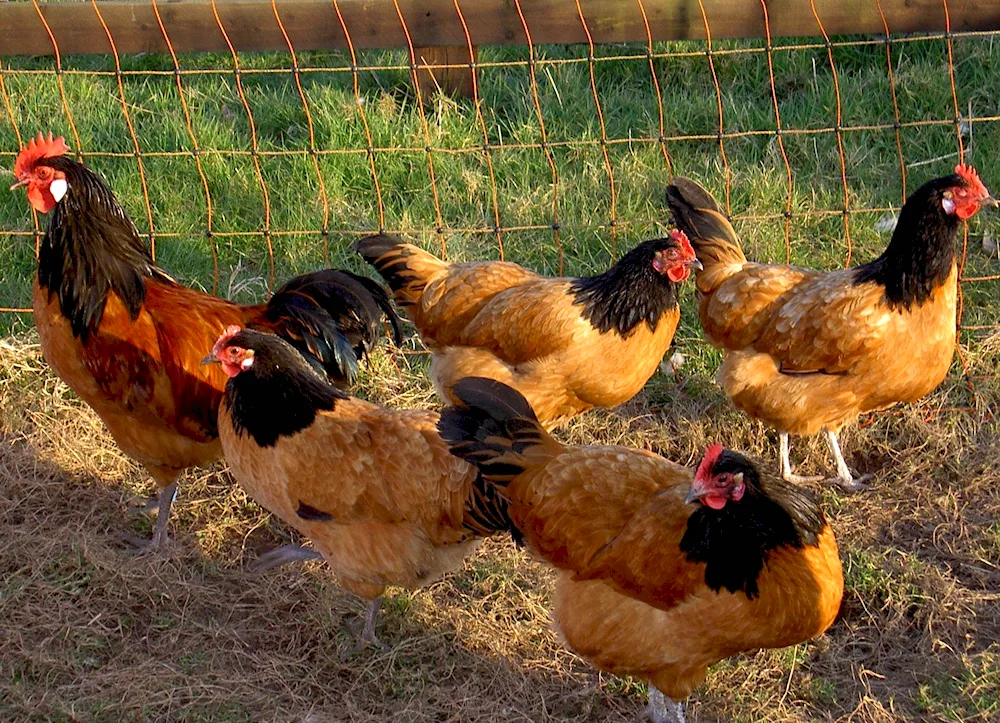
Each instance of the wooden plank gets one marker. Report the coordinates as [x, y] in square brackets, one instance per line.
[312, 24]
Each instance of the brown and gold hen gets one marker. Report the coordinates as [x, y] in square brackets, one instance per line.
[375, 489]
[808, 351]
[568, 345]
[661, 572]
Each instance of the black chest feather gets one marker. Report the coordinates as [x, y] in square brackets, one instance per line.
[271, 404]
[624, 296]
[735, 541]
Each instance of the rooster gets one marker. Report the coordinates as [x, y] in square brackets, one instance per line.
[662, 572]
[808, 351]
[375, 489]
[568, 345]
[128, 339]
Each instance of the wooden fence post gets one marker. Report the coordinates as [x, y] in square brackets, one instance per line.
[453, 81]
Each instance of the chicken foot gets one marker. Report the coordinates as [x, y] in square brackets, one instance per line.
[368, 636]
[662, 709]
[282, 556]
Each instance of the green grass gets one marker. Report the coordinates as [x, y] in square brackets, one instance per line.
[92, 632]
[524, 189]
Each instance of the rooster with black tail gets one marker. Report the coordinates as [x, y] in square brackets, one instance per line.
[128, 339]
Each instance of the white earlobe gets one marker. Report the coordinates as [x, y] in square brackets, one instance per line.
[948, 205]
[58, 188]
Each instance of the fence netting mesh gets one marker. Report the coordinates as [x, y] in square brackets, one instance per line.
[243, 168]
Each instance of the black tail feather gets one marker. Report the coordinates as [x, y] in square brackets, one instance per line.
[393, 268]
[493, 429]
[486, 512]
[405, 268]
[688, 202]
[333, 318]
[371, 247]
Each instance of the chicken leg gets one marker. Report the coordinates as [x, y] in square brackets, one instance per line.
[160, 537]
[166, 499]
[368, 633]
[662, 709]
[786, 464]
[847, 481]
[367, 636]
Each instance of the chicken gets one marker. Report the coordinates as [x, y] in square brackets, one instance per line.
[128, 339]
[661, 572]
[808, 351]
[567, 344]
[375, 489]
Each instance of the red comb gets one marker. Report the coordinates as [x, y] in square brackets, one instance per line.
[708, 461]
[231, 331]
[681, 239]
[37, 149]
[971, 178]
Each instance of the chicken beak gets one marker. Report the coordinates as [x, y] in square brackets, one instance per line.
[695, 493]
[210, 359]
[19, 184]
[990, 201]
[696, 265]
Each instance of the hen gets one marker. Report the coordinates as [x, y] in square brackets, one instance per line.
[808, 351]
[128, 339]
[661, 573]
[568, 345]
[375, 489]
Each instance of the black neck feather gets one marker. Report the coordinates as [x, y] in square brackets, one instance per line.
[735, 541]
[278, 396]
[628, 293]
[921, 254]
[91, 248]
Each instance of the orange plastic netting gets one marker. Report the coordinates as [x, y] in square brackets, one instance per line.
[826, 51]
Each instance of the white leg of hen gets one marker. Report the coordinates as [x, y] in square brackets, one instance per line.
[845, 478]
[662, 709]
[786, 464]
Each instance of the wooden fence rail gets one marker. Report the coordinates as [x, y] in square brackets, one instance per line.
[313, 24]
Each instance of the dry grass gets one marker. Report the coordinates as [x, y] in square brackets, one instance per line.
[93, 632]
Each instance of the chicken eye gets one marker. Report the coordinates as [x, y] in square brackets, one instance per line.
[43, 173]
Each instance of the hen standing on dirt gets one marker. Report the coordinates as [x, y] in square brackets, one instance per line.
[808, 351]
[662, 573]
[128, 339]
[568, 345]
[375, 489]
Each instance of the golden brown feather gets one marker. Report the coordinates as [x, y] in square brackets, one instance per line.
[375, 489]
